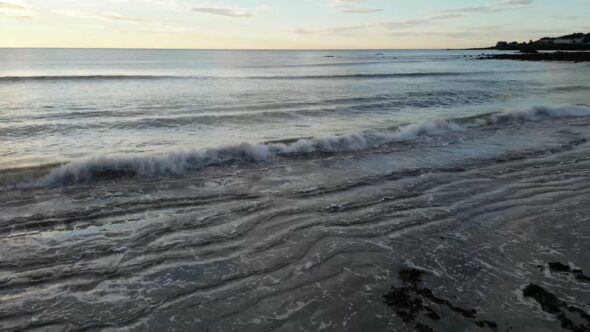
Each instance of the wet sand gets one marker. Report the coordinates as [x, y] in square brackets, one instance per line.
[482, 229]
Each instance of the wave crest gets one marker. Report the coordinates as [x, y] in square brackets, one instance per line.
[538, 113]
[180, 162]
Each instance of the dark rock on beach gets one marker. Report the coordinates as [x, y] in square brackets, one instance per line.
[578, 274]
[413, 301]
[529, 51]
[532, 56]
[559, 267]
[562, 311]
[417, 305]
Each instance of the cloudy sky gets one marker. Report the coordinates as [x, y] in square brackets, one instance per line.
[278, 24]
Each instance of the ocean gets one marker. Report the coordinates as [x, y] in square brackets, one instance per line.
[229, 190]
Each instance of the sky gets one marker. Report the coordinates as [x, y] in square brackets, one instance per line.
[285, 24]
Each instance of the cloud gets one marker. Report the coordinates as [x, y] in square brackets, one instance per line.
[353, 6]
[501, 6]
[343, 30]
[336, 3]
[570, 17]
[388, 26]
[420, 22]
[221, 11]
[16, 10]
[516, 2]
[355, 10]
[7, 5]
[117, 17]
[471, 10]
[491, 31]
[166, 28]
[101, 16]
[394, 26]
[350, 7]
[230, 11]
[445, 16]
[139, 24]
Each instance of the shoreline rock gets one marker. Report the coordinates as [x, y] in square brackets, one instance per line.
[555, 56]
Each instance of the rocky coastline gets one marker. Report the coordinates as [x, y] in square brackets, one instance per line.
[538, 56]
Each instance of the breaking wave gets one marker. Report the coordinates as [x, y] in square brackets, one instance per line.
[180, 162]
[536, 114]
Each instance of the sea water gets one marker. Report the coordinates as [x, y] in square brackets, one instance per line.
[284, 190]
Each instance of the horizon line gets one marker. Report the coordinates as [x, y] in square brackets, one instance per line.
[236, 49]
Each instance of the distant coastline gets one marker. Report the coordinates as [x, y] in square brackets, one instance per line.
[568, 48]
[573, 42]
